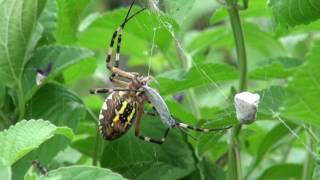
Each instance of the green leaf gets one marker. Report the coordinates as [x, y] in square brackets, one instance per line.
[267, 46]
[274, 138]
[80, 70]
[5, 171]
[61, 57]
[198, 75]
[137, 159]
[210, 170]
[82, 172]
[32, 174]
[142, 31]
[221, 37]
[257, 9]
[272, 99]
[48, 19]
[282, 171]
[302, 103]
[62, 108]
[25, 136]
[207, 38]
[85, 139]
[69, 13]
[276, 69]
[295, 12]
[179, 9]
[17, 24]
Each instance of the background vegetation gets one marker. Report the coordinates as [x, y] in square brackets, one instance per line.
[200, 53]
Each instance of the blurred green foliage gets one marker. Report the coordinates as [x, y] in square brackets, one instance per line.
[189, 48]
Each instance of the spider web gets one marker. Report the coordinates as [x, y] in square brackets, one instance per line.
[208, 88]
[154, 4]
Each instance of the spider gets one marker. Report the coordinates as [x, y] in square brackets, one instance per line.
[125, 104]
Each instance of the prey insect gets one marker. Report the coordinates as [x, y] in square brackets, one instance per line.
[39, 167]
[125, 104]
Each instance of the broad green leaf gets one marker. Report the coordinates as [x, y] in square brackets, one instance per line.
[295, 12]
[25, 136]
[80, 70]
[274, 138]
[5, 170]
[282, 171]
[181, 112]
[256, 9]
[135, 158]
[62, 108]
[218, 116]
[85, 139]
[221, 37]
[210, 170]
[69, 13]
[262, 42]
[82, 172]
[61, 57]
[276, 69]
[198, 75]
[272, 100]
[207, 38]
[146, 29]
[17, 24]
[48, 19]
[32, 174]
[302, 103]
[179, 9]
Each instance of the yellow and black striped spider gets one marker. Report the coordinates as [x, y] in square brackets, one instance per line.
[125, 105]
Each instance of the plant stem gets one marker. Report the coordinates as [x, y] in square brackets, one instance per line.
[21, 101]
[96, 149]
[309, 163]
[234, 164]
[98, 139]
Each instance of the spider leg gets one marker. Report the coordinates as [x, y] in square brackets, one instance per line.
[118, 82]
[183, 125]
[121, 33]
[108, 90]
[121, 73]
[151, 113]
[114, 36]
[146, 138]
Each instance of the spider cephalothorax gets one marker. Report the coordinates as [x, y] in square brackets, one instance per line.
[125, 105]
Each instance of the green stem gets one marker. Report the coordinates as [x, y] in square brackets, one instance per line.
[21, 102]
[309, 163]
[96, 149]
[234, 162]
[98, 139]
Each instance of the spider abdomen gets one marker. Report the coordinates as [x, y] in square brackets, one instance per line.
[116, 116]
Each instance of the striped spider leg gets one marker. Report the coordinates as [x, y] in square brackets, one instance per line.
[118, 33]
